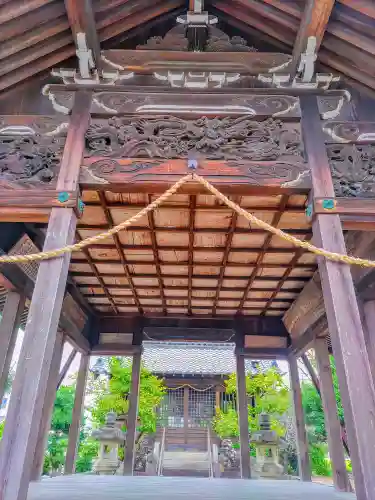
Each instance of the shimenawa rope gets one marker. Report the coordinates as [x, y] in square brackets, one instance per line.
[50, 254]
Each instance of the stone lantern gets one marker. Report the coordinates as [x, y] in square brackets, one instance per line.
[109, 437]
[267, 444]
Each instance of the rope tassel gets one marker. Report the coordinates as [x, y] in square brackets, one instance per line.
[51, 254]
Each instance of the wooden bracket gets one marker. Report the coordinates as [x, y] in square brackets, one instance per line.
[355, 213]
[20, 205]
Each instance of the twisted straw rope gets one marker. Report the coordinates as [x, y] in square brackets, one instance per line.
[50, 254]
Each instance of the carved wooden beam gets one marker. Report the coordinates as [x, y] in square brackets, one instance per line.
[231, 176]
[35, 206]
[313, 26]
[82, 23]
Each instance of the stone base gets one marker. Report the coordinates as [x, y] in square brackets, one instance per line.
[105, 467]
[269, 470]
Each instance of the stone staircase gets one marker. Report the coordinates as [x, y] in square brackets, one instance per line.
[186, 463]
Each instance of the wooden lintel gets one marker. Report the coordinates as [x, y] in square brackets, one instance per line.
[255, 325]
[355, 207]
[231, 176]
[114, 349]
[264, 352]
[34, 205]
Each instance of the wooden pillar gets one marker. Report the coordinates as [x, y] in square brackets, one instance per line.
[369, 330]
[13, 309]
[243, 417]
[49, 402]
[299, 419]
[132, 415]
[20, 436]
[344, 321]
[75, 426]
[186, 413]
[217, 398]
[333, 427]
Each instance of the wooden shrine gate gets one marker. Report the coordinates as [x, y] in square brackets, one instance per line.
[266, 131]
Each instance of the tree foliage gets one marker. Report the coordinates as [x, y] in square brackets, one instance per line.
[113, 395]
[267, 392]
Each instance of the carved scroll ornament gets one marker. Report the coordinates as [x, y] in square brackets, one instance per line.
[210, 138]
[349, 132]
[353, 170]
[31, 153]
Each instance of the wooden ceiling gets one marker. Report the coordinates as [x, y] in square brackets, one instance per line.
[192, 256]
[37, 35]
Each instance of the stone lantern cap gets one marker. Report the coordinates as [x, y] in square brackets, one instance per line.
[265, 434]
[109, 431]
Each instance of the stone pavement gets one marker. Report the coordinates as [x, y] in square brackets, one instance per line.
[89, 487]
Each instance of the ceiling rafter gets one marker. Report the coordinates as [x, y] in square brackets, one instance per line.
[97, 275]
[151, 223]
[259, 262]
[192, 206]
[119, 250]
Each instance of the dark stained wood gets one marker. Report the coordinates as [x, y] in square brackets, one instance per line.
[333, 428]
[131, 424]
[65, 368]
[344, 321]
[30, 385]
[253, 324]
[243, 420]
[301, 441]
[9, 325]
[369, 325]
[265, 352]
[82, 20]
[77, 415]
[45, 422]
[186, 413]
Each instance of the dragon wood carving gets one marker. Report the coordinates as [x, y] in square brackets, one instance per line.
[30, 159]
[210, 138]
[353, 169]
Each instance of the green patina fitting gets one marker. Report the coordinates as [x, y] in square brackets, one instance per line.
[81, 206]
[309, 210]
[63, 197]
[328, 204]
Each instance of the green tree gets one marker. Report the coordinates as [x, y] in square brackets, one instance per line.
[112, 395]
[267, 392]
[315, 424]
[58, 434]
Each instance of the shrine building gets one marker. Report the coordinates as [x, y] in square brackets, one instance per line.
[237, 138]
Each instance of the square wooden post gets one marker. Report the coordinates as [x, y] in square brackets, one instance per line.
[75, 425]
[243, 417]
[369, 330]
[49, 402]
[333, 427]
[132, 414]
[20, 436]
[344, 321]
[13, 309]
[186, 413]
[299, 420]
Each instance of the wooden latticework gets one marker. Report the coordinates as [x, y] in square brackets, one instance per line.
[192, 256]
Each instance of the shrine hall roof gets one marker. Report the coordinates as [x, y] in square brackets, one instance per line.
[198, 358]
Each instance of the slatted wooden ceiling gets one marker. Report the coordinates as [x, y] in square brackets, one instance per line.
[37, 35]
[192, 256]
